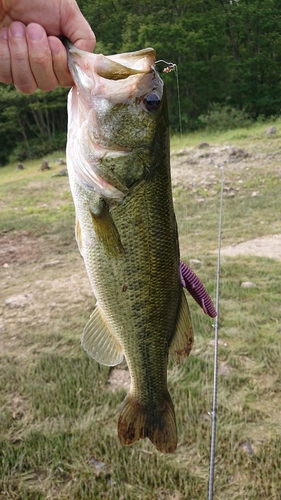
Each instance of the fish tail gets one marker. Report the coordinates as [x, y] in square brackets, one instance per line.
[158, 423]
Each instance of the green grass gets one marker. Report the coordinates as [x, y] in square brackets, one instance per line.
[57, 412]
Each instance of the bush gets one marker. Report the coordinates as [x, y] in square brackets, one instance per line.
[37, 148]
[220, 117]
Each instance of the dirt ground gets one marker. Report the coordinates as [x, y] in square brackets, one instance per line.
[205, 171]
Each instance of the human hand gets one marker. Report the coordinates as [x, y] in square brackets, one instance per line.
[31, 55]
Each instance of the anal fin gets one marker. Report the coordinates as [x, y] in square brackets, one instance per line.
[182, 341]
[99, 342]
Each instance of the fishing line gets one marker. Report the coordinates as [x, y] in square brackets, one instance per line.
[213, 413]
[173, 67]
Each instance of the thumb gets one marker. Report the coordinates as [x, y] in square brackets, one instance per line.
[75, 27]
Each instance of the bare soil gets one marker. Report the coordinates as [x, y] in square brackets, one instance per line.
[201, 168]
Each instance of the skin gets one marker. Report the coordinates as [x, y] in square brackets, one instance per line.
[31, 55]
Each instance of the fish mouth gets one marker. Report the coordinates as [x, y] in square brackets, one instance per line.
[112, 67]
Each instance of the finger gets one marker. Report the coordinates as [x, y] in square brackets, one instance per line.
[5, 67]
[21, 72]
[60, 66]
[40, 57]
[76, 28]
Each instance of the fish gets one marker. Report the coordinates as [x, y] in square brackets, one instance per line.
[118, 163]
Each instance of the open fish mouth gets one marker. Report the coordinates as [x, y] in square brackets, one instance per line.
[112, 67]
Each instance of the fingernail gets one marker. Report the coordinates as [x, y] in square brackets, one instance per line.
[17, 30]
[54, 46]
[34, 32]
[4, 33]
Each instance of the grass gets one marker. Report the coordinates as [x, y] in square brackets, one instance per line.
[57, 413]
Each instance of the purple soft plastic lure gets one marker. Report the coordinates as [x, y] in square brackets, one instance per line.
[196, 289]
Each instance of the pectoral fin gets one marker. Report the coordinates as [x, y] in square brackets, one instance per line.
[78, 235]
[99, 342]
[181, 343]
[105, 229]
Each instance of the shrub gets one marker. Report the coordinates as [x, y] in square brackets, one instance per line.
[38, 147]
[220, 117]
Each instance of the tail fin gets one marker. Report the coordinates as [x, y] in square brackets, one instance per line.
[157, 423]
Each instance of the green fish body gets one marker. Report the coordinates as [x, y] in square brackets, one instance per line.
[119, 169]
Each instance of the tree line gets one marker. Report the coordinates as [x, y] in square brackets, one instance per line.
[227, 52]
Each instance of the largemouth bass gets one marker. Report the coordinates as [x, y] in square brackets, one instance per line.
[119, 170]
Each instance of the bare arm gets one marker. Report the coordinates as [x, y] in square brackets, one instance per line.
[31, 55]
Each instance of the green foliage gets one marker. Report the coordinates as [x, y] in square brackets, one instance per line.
[226, 52]
[31, 125]
[220, 117]
[36, 148]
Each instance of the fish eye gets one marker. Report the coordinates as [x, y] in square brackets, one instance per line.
[151, 102]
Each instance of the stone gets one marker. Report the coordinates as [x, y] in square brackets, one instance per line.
[194, 262]
[45, 166]
[270, 130]
[237, 153]
[224, 370]
[16, 301]
[247, 448]
[248, 284]
[119, 379]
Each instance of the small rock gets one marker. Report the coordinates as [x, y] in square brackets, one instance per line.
[224, 370]
[221, 342]
[248, 284]
[237, 153]
[230, 479]
[206, 417]
[45, 166]
[100, 467]
[119, 379]
[270, 130]
[247, 448]
[255, 193]
[62, 173]
[17, 301]
[181, 152]
[51, 263]
[194, 262]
